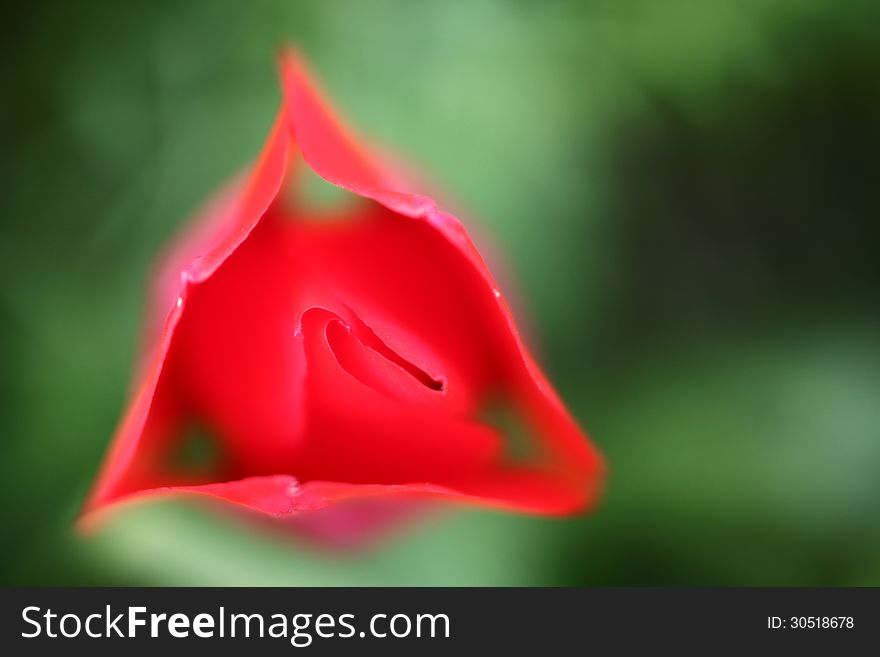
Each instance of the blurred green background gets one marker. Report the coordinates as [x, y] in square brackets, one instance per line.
[685, 194]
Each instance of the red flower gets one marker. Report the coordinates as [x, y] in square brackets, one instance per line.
[358, 358]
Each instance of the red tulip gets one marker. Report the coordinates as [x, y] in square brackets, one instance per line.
[362, 357]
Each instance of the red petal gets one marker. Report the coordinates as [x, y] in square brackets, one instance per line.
[450, 308]
[153, 412]
[357, 434]
[374, 393]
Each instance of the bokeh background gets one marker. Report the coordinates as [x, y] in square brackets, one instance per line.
[685, 195]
